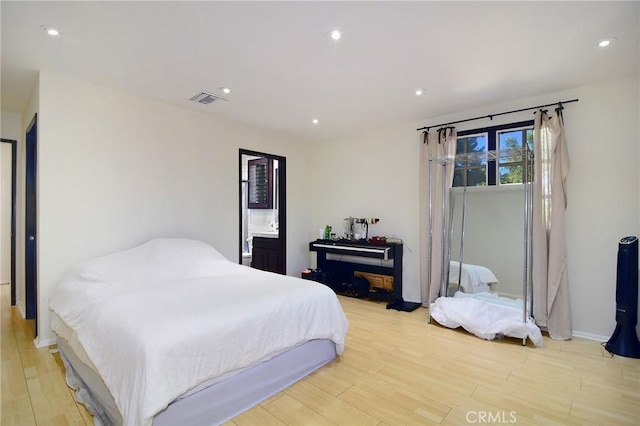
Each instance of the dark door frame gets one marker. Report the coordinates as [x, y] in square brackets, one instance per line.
[282, 201]
[31, 227]
[14, 213]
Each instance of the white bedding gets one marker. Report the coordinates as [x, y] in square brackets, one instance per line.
[161, 318]
[486, 315]
[472, 277]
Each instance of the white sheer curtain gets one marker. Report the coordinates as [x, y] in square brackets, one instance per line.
[551, 307]
[439, 144]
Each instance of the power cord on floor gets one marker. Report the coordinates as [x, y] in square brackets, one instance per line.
[603, 344]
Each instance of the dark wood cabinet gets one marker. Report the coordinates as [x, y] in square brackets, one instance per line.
[260, 183]
[267, 255]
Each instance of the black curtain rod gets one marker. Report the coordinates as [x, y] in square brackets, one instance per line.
[490, 116]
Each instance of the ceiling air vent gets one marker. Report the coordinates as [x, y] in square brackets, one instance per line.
[206, 98]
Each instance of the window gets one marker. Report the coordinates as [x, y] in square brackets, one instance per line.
[493, 156]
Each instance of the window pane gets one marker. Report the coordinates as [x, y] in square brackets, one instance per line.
[530, 138]
[511, 174]
[510, 139]
[477, 177]
[477, 143]
[461, 150]
[457, 178]
[475, 147]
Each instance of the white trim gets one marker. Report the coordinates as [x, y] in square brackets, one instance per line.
[41, 343]
[21, 309]
[487, 188]
[590, 336]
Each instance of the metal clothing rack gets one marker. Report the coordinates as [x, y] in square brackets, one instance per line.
[526, 156]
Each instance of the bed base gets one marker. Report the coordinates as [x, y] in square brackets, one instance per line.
[212, 403]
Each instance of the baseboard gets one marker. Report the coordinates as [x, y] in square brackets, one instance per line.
[43, 342]
[21, 309]
[590, 336]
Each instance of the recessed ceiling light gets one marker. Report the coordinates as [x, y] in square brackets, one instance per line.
[606, 42]
[418, 92]
[335, 35]
[315, 121]
[51, 31]
[225, 90]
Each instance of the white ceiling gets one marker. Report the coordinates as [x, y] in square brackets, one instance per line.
[284, 71]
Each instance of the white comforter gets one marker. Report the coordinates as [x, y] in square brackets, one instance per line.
[486, 315]
[161, 318]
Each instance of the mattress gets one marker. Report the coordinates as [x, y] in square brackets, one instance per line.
[156, 321]
[212, 402]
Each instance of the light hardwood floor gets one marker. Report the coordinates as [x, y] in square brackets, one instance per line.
[396, 370]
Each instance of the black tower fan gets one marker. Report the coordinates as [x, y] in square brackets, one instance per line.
[624, 340]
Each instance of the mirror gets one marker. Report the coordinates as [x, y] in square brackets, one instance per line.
[493, 239]
[488, 224]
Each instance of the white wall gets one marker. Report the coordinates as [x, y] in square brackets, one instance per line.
[376, 173]
[371, 175]
[604, 144]
[116, 170]
[10, 125]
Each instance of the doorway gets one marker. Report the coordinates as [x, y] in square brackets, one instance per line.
[9, 212]
[30, 245]
[262, 206]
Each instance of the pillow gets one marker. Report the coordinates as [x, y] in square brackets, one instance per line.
[471, 274]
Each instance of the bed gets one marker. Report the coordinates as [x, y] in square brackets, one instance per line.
[171, 332]
[474, 278]
[486, 315]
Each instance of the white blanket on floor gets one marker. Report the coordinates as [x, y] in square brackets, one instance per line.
[161, 318]
[486, 315]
